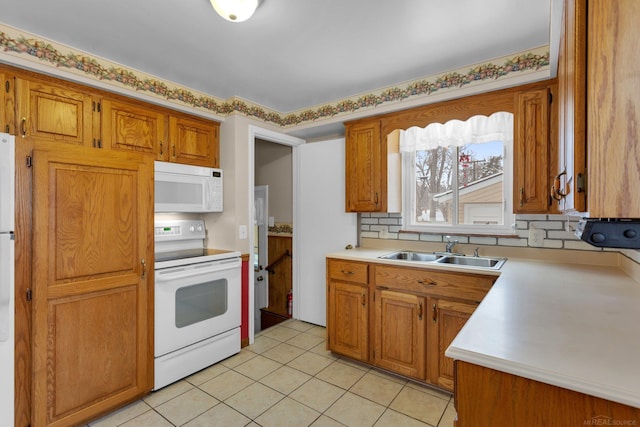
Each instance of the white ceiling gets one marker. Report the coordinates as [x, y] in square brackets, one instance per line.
[291, 54]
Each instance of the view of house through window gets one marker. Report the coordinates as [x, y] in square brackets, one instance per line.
[457, 175]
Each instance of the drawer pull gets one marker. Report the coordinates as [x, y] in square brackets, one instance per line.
[427, 283]
[348, 273]
[420, 311]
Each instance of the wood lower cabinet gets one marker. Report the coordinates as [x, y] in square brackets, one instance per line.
[400, 333]
[401, 319]
[133, 127]
[487, 398]
[92, 282]
[56, 112]
[446, 319]
[348, 309]
[194, 142]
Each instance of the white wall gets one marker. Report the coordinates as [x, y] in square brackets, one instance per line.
[274, 167]
[236, 160]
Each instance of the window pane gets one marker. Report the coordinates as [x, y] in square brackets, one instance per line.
[480, 183]
[434, 176]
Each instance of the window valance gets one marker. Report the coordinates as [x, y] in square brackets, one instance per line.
[456, 133]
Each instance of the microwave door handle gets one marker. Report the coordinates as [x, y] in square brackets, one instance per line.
[207, 194]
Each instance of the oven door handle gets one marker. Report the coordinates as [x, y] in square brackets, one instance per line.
[190, 271]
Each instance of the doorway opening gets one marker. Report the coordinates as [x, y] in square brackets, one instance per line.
[270, 154]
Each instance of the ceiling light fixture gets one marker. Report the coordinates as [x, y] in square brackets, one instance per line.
[235, 10]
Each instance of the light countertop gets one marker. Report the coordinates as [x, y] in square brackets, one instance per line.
[575, 326]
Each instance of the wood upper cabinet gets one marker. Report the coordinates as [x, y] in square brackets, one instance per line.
[446, 319]
[7, 104]
[366, 167]
[348, 309]
[56, 112]
[134, 127]
[194, 141]
[569, 186]
[400, 333]
[613, 84]
[532, 152]
[92, 282]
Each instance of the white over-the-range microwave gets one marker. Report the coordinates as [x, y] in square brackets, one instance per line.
[186, 188]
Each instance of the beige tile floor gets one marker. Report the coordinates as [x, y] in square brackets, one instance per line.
[287, 378]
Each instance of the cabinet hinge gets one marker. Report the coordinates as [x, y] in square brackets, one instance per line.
[550, 97]
[98, 107]
[29, 295]
[6, 86]
[581, 182]
[29, 161]
[6, 128]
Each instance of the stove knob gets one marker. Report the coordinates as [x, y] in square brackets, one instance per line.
[630, 233]
[598, 237]
[192, 229]
[199, 228]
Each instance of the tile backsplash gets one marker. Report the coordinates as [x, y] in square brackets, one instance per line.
[556, 232]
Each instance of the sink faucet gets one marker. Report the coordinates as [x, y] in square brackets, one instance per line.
[450, 244]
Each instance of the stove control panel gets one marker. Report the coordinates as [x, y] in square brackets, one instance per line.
[179, 229]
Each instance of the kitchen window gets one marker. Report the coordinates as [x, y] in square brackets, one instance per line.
[457, 176]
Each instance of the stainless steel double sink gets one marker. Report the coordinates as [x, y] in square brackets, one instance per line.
[445, 258]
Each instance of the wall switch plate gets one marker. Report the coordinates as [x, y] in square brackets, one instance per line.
[242, 232]
[536, 237]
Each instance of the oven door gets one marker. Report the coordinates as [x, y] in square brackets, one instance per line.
[196, 302]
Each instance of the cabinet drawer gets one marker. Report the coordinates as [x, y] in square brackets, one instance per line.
[456, 285]
[349, 271]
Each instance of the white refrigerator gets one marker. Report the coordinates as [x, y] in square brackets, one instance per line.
[7, 295]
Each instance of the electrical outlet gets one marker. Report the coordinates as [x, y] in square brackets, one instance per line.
[383, 233]
[536, 237]
[242, 231]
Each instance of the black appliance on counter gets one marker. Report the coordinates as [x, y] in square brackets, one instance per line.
[610, 232]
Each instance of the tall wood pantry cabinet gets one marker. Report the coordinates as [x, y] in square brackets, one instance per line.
[84, 241]
[92, 281]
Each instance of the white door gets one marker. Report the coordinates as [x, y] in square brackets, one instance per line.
[321, 224]
[260, 251]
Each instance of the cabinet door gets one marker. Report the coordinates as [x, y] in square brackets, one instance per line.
[92, 247]
[194, 142]
[133, 127]
[400, 333]
[56, 113]
[366, 174]
[447, 319]
[568, 188]
[613, 82]
[7, 104]
[531, 152]
[347, 323]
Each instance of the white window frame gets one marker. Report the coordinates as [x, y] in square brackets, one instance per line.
[409, 200]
